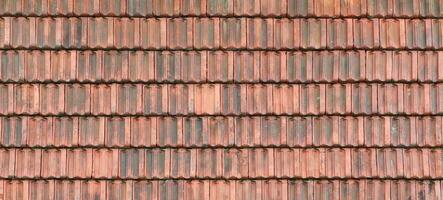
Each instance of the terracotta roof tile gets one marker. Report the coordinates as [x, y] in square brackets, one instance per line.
[242, 189]
[91, 130]
[233, 32]
[14, 131]
[77, 99]
[91, 189]
[225, 33]
[318, 8]
[79, 163]
[193, 7]
[221, 99]
[28, 163]
[7, 162]
[221, 131]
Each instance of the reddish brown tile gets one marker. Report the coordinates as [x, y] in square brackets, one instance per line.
[206, 33]
[145, 189]
[77, 98]
[259, 98]
[209, 163]
[38, 66]
[141, 66]
[246, 8]
[246, 66]
[117, 131]
[39, 131]
[418, 33]
[286, 32]
[155, 99]
[104, 164]
[28, 163]
[300, 8]
[233, 33]
[65, 131]
[153, 33]
[62, 66]
[93, 189]
[23, 32]
[260, 33]
[91, 130]
[112, 7]
[38, 7]
[193, 7]
[126, 98]
[89, 65]
[126, 32]
[12, 65]
[235, 163]
[7, 163]
[26, 99]
[312, 33]
[183, 163]
[180, 34]
[340, 33]
[170, 131]
[220, 66]
[366, 33]
[144, 131]
[100, 32]
[354, 7]
[273, 8]
[101, 99]
[165, 8]
[14, 131]
[80, 163]
[131, 163]
[220, 7]
[83, 7]
[54, 163]
[194, 66]
[5, 34]
[337, 100]
[157, 163]
[392, 33]
[207, 99]
[115, 65]
[261, 163]
[329, 8]
[7, 100]
[321, 99]
[52, 99]
[167, 66]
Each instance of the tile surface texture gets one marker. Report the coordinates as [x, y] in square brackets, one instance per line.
[221, 99]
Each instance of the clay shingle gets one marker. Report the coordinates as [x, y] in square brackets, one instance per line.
[221, 99]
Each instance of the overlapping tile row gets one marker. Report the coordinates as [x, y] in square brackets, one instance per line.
[226, 163]
[264, 8]
[220, 189]
[206, 132]
[219, 33]
[220, 66]
[221, 99]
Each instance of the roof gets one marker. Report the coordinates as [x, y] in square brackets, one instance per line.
[221, 99]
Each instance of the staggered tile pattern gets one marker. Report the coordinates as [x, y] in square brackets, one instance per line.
[221, 99]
